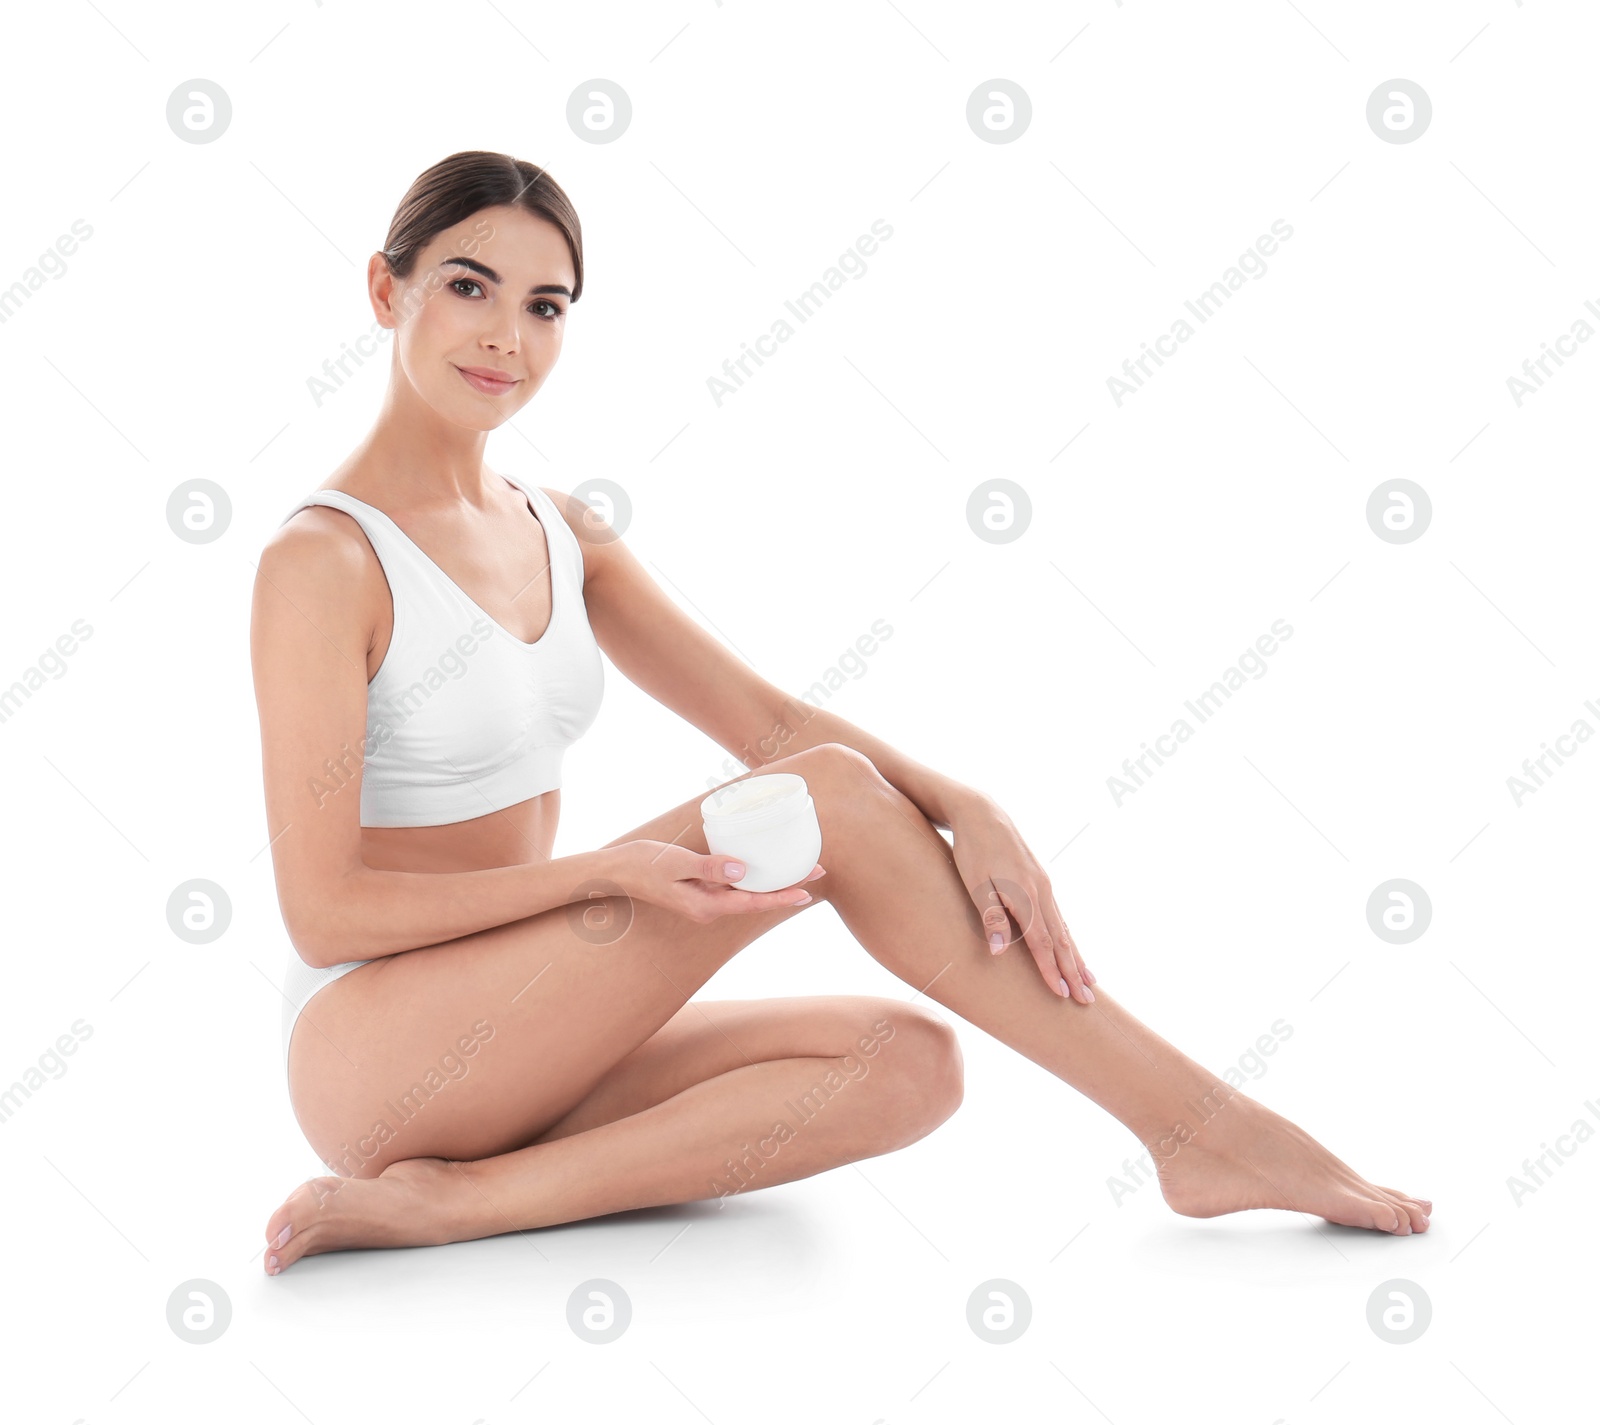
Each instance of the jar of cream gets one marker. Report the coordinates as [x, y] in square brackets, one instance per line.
[768, 822]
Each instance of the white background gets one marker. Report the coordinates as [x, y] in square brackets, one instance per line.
[1167, 534]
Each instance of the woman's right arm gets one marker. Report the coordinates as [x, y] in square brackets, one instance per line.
[310, 630]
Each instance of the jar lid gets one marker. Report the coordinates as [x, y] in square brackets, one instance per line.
[756, 801]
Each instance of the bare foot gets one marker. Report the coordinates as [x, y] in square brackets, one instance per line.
[1247, 1156]
[417, 1202]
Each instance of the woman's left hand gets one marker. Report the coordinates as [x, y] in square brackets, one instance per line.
[1001, 874]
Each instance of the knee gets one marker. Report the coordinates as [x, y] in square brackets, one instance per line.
[930, 1072]
[831, 759]
[841, 780]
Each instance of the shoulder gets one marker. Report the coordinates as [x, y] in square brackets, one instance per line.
[316, 532]
[319, 551]
[590, 527]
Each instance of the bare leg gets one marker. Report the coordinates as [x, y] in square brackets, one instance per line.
[745, 1125]
[713, 1140]
[892, 880]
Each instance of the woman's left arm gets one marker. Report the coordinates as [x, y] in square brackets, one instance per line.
[999, 871]
[660, 649]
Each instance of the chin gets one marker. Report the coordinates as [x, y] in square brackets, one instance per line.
[483, 420]
[473, 411]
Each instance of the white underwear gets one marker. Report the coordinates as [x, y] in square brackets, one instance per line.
[300, 985]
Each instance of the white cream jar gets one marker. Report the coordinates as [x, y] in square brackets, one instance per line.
[769, 822]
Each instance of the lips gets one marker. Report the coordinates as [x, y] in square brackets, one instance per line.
[487, 379]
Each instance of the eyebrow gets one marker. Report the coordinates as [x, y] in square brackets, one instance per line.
[495, 277]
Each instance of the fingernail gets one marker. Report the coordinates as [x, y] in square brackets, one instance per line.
[815, 872]
[732, 869]
[273, 1263]
[805, 899]
[1088, 994]
[285, 1235]
[1063, 985]
[997, 943]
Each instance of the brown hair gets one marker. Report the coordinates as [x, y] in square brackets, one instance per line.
[457, 187]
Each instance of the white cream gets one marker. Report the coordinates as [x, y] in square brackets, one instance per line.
[750, 794]
[769, 822]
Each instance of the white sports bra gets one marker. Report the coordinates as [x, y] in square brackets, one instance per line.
[463, 717]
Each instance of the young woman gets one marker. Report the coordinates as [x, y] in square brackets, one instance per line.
[481, 1038]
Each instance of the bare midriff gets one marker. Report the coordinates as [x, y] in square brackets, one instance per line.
[519, 835]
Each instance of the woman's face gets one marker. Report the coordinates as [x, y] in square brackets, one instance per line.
[488, 295]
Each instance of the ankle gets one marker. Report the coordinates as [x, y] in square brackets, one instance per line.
[468, 1211]
[1217, 1120]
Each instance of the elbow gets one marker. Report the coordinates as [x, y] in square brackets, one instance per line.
[316, 923]
[316, 942]
[307, 944]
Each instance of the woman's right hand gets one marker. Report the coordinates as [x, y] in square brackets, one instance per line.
[665, 874]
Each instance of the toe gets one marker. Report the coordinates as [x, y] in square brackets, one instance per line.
[1389, 1216]
[1417, 1209]
[298, 1245]
[280, 1231]
[292, 1228]
[1424, 1203]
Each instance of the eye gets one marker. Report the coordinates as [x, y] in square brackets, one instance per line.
[549, 316]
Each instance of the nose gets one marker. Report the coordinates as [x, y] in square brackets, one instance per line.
[502, 336]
